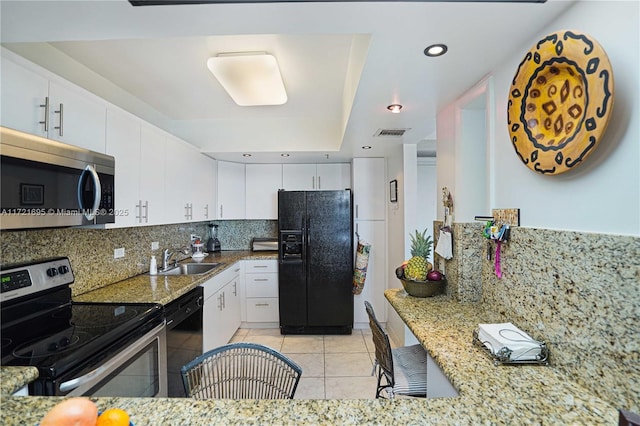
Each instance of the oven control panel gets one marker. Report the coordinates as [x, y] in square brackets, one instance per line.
[15, 280]
[25, 279]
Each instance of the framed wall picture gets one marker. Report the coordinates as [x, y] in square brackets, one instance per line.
[393, 191]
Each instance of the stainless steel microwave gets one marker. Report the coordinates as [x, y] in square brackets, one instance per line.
[46, 184]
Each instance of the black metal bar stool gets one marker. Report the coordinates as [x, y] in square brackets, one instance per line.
[403, 369]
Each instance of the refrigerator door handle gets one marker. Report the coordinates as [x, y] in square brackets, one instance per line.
[307, 227]
[303, 256]
[308, 242]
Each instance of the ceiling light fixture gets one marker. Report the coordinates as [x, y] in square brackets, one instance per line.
[436, 50]
[366, 147]
[395, 108]
[250, 78]
[246, 155]
[284, 155]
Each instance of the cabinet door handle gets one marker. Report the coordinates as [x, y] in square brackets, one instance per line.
[139, 208]
[60, 128]
[356, 211]
[220, 302]
[235, 288]
[220, 211]
[224, 301]
[146, 212]
[262, 304]
[313, 182]
[319, 185]
[260, 279]
[260, 266]
[46, 114]
[206, 211]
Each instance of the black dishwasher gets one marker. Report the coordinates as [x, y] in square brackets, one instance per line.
[184, 336]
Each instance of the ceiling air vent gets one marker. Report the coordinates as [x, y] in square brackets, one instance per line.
[390, 132]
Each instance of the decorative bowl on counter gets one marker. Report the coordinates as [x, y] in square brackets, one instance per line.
[423, 288]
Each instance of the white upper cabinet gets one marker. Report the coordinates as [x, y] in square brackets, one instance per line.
[123, 142]
[189, 183]
[152, 174]
[139, 150]
[180, 181]
[76, 118]
[34, 102]
[298, 177]
[24, 94]
[262, 184]
[204, 204]
[333, 176]
[306, 177]
[231, 190]
[369, 188]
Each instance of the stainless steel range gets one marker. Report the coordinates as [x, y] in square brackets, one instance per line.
[91, 349]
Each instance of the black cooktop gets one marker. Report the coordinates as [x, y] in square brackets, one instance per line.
[56, 340]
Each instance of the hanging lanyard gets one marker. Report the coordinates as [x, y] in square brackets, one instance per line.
[498, 267]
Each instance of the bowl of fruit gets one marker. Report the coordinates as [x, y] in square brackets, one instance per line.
[417, 275]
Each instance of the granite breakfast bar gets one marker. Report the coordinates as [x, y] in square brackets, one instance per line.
[524, 394]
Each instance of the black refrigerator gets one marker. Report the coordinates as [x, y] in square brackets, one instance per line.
[315, 262]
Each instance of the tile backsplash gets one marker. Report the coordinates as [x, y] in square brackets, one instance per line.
[90, 251]
[578, 292]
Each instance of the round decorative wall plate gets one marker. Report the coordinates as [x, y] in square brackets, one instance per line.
[560, 102]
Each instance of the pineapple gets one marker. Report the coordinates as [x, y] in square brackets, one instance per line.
[418, 267]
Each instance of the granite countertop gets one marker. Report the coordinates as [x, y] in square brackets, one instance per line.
[13, 379]
[163, 289]
[523, 394]
[540, 394]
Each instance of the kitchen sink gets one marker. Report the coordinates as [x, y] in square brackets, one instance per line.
[190, 269]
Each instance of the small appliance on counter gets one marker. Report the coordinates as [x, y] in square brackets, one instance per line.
[197, 250]
[264, 244]
[213, 245]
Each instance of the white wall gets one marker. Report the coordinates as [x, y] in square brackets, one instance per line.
[396, 237]
[471, 173]
[427, 196]
[603, 194]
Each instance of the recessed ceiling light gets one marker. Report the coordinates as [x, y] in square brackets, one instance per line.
[395, 108]
[284, 155]
[250, 78]
[366, 147]
[246, 155]
[436, 50]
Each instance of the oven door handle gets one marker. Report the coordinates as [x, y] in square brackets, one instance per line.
[112, 364]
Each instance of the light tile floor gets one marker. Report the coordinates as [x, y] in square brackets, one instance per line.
[333, 367]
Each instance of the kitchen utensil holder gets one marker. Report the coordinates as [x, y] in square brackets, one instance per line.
[503, 355]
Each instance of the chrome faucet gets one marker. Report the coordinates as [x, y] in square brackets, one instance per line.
[167, 254]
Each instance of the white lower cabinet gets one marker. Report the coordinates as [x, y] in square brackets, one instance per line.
[221, 310]
[261, 291]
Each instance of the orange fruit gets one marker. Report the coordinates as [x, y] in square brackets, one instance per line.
[113, 417]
